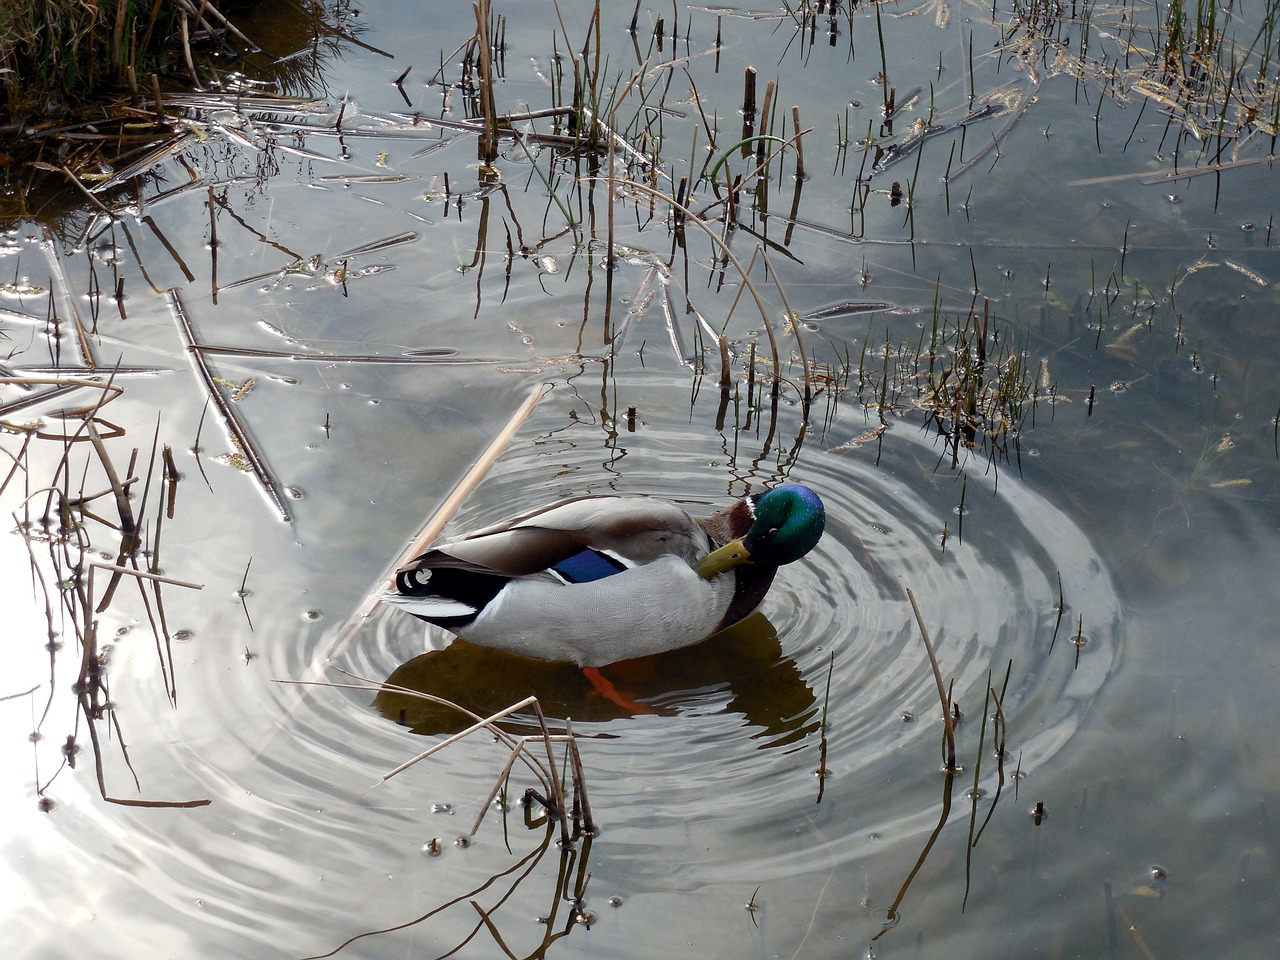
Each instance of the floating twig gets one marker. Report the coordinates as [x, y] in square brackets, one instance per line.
[143, 575]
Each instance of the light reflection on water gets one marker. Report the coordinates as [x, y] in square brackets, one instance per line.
[1151, 749]
[727, 765]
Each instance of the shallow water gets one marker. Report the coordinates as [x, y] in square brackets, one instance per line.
[1111, 578]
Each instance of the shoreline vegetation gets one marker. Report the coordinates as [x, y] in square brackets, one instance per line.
[86, 87]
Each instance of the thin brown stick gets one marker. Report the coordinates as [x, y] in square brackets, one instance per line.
[795, 120]
[488, 140]
[579, 778]
[554, 780]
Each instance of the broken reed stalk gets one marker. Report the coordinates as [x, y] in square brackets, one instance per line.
[159, 100]
[67, 382]
[766, 123]
[519, 746]
[186, 53]
[418, 356]
[143, 575]
[488, 140]
[579, 778]
[947, 722]
[444, 513]
[795, 121]
[485, 724]
[611, 188]
[499, 734]
[557, 790]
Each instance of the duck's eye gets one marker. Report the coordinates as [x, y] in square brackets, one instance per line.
[422, 576]
[774, 530]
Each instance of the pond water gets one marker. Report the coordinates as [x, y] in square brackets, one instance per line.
[1097, 572]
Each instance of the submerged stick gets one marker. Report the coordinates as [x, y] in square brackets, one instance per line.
[235, 427]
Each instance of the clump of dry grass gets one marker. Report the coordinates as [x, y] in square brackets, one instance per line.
[87, 90]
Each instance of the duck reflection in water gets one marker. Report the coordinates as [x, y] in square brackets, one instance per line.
[744, 664]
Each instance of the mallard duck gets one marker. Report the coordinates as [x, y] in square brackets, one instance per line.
[598, 579]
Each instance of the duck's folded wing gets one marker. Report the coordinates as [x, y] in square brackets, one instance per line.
[625, 531]
[633, 530]
[452, 584]
[524, 552]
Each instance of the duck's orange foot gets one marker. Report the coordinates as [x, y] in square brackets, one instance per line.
[610, 692]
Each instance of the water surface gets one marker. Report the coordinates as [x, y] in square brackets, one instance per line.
[1108, 575]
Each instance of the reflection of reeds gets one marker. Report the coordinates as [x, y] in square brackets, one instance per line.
[567, 894]
[950, 716]
[948, 722]
[949, 765]
[570, 887]
[69, 524]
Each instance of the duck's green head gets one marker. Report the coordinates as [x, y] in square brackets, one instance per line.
[788, 524]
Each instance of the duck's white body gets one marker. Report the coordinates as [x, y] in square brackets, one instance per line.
[613, 619]
[598, 579]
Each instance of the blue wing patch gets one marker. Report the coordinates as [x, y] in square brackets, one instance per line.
[588, 565]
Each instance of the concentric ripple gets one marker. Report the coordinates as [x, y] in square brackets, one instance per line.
[713, 785]
[734, 735]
